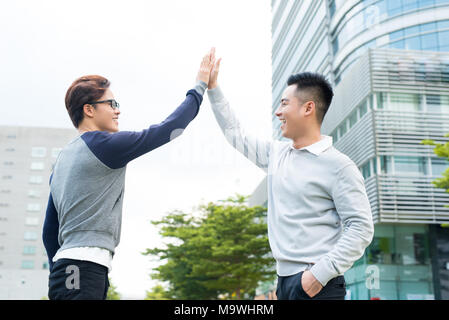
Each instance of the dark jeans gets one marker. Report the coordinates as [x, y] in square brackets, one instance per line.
[290, 288]
[78, 280]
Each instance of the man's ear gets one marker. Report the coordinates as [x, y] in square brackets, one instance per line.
[88, 110]
[310, 107]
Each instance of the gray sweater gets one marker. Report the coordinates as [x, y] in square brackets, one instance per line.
[88, 180]
[319, 216]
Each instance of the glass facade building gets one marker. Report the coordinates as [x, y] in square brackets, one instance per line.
[388, 61]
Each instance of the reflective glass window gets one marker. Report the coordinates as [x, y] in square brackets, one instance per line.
[411, 31]
[413, 43]
[443, 24]
[443, 38]
[410, 165]
[429, 41]
[353, 118]
[385, 164]
[404, 102]
[397, 34]
[425, 3]
[439, 165]
[426, 27]
[363, 109]
[409, 5]
[398, 44]
[394, 7]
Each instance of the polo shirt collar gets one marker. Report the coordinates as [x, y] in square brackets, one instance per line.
[318, 147]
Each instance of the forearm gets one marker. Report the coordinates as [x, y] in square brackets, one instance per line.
[256, 150]
[116, 150]
[50, 231]
[349, 248]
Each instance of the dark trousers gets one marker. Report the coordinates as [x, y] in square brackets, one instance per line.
[290, 288]
[78, 280]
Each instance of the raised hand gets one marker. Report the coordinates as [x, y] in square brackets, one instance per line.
[214, 71]
[206, 66]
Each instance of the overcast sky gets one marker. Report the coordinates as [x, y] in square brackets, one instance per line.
[150, 51]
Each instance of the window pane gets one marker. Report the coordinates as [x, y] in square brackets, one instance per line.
[37, 166]
[366, 170]
[425, 3]
[27, 264]
[404, 102]
[30, 235]
[34, 194]
[353, 118]
[29, 250]
[398, 44]
[397, 34]
[36, 179]
[38, 152]
[439, 166]
[433, 103]
[428, 27]
[443, 24]
[411, 30]
[385, 164]
[413, 43]
[343, 129]
[444, 101]
[363, 109]
[409, 4]
[429, 41]
[394, 7]
[410, 165]
[33, 207]
[443, 38]
[31, 221]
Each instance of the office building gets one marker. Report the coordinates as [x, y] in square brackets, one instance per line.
[27, 155]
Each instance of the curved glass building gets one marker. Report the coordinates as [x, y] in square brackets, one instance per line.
[388, 61]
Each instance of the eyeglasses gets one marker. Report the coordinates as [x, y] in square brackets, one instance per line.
[114, 104]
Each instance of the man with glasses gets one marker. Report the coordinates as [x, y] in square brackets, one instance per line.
[83, 219]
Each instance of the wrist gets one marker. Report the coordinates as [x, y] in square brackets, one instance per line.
[212, 85]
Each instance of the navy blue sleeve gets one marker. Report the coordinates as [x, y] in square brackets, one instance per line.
[50, 231]
[117, 149]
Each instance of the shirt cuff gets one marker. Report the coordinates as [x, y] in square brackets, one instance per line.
[200, 87]
[215, 94]
[323, 271]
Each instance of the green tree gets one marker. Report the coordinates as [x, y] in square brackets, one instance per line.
[157, 293]
[112, 292]
[441, 150]
[221, 252]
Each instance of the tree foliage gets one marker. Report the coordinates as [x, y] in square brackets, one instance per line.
[112, 292]
[219, 252]
[157, 293]
[441, 150]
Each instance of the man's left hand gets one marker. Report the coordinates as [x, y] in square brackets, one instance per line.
[310, 284]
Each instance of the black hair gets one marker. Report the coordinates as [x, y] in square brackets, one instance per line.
[318, 87]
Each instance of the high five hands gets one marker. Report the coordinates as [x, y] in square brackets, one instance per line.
[209, 68]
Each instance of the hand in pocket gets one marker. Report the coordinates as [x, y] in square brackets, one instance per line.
[310, 284]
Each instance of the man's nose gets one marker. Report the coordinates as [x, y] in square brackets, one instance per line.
[278, 112]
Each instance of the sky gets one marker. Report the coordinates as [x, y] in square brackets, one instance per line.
[151, 52]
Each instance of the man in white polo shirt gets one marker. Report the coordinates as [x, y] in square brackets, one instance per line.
[319, 217]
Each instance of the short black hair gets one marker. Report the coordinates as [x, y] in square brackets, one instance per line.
[318, 87]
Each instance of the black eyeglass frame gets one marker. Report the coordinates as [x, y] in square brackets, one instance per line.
[114, 104]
